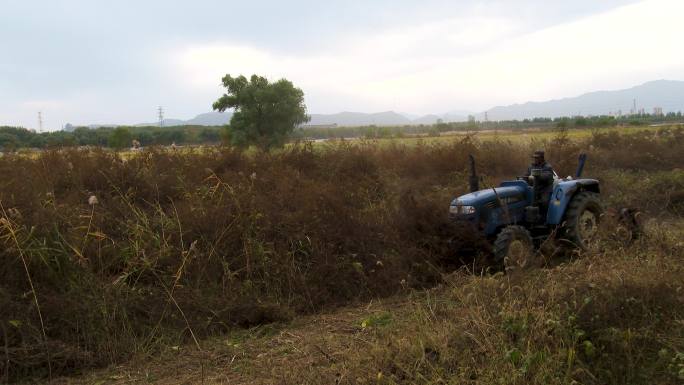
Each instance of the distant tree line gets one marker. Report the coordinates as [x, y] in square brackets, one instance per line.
[12, 138]
[116, 137]
[372, 132]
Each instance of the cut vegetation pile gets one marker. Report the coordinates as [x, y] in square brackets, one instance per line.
[103, 256]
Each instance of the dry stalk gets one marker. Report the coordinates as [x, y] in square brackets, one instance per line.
[90, 223]
[179, 274]
[7, 224]
[7, 357]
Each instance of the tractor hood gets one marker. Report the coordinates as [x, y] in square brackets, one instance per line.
[478, 198]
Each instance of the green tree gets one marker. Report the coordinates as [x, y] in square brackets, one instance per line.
[145, 138]
[265, 113]
[209, 135]
[8, 142]
[38, 141]
[120, 138]
[84, 136]
[581, 122]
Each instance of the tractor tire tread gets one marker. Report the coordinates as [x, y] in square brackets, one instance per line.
[569, 229]
[504, 239]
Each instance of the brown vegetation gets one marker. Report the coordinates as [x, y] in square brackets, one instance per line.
[176, 247]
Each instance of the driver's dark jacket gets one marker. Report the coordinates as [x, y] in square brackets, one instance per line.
[543, 178]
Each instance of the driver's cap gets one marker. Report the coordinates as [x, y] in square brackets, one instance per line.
[538, 154]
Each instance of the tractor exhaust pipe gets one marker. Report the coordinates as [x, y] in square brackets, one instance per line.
[580, 166]
[473, 179]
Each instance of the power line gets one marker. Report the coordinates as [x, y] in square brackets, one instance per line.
[160, 111]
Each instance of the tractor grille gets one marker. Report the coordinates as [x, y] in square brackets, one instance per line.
[505, 200]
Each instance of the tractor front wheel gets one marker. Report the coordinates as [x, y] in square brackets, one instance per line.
[582, 217]
[514, 249]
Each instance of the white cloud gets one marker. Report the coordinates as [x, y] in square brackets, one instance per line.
[404, 55]
[465, 62]
[204, 65]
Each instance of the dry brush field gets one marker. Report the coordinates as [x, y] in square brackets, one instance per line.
[106, 258]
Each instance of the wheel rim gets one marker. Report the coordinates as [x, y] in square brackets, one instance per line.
[587, 226]
[517, 255]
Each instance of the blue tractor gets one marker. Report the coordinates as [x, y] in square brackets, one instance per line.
[515, 223]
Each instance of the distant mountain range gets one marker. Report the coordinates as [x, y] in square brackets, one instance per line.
[666, 94]
[206, 119]
[387, 118]
[349, 119]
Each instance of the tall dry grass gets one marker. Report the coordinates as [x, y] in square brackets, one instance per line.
[612, 317]
[174, 247]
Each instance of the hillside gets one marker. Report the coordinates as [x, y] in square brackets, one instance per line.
[667, 94]
[387, 118]
[207, 119]
[210, 119]
[346, 118]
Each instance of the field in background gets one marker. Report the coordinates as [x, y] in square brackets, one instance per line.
[191, 139]
[520, 135]
[108, 257]
[121, 137]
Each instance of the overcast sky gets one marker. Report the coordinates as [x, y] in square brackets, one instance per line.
[92, 61]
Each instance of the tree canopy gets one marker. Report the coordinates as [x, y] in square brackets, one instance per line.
[120, 138]
[265, 113]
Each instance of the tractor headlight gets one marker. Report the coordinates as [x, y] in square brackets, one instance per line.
[461, 210]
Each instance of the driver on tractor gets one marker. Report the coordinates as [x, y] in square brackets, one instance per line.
[540, 175]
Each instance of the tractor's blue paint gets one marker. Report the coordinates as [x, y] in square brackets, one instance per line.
[478, 198]
[488, 213]
[522, 186]
[511, 214]
[490, 216]
[562, 194]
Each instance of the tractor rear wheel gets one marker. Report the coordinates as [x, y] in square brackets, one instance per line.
[580, 227]
[514, 249]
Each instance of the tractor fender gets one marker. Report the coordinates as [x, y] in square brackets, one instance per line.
[562, 195]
